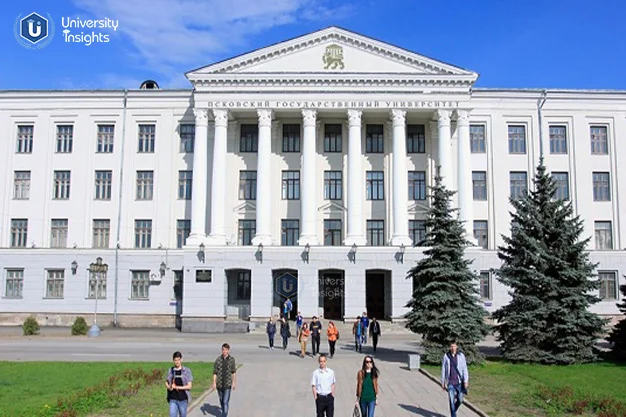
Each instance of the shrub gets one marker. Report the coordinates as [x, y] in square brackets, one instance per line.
[30, 326]
[80, 327]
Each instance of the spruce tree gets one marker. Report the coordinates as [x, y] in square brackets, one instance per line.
[445, 304]
[548, 271]
[618, 335]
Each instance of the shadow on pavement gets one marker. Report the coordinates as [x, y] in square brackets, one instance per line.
[420, 411]
[210, 410]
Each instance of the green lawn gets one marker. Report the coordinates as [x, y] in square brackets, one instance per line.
[27, 387]
[503, 389]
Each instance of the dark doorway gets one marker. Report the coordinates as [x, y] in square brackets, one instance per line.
[178, 295]
[331, 290]
[239, 290]
[377, 294]
[285, 284]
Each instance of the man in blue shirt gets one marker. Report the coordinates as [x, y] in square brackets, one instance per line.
[454, 377]
[365, 322]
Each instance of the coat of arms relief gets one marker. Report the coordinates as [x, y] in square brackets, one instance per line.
[333, 57]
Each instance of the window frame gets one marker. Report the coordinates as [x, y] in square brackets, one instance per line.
[333, 141]
[25, 135]
[517, 142]
[558, 141]
[146, 137]
[291, 138]
[64, 138]
[375, 187]
[139, 280]
[375, 234]
[57, 284]
[477, 141]
[290, 188]
[415, 138]
[601, 188]
[187, 138]
[249, 140]
[335, 235]
[374, 138]
[143, 233]
[105, 140]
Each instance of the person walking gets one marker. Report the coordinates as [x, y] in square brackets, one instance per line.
[374, 332]
[454, 377]
[367, 387]
[333, 336]
[285, 332]
[270, 329]
[287, 307]
[323, 387]
[365, 321]
[357, 331]
[224, 377]
[303, 337]
[299, 321]
[316, 330]
[178, 384]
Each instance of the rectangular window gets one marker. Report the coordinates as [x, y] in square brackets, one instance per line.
[417, 185]
[374, 139]
[97, 280]
[247, 230]
[19, 233]
[21, 185]
[146, 138]
[332, 232]
[243, 285]
[145, 185]
[291, 138]
[562, 185]
[25, 139]
[187, 134]
[103, 185]
[517, 139]
[376, 233]
[558, 140]
[485, 285]
[14, 283]
[477, 138]
[183, 228]
[599, 141]
[291, 185]
[417, 232]
[58, 233]
[333, 187]
[608, 285]
[184, 185]
[479, 185]
[247, 185]
[416, 139]
[601, 186]
[143, 234]
[375, 185]
[332, 138]
[106, 136]
[518, 183]
[249, 139]
[61, 186]
[290, 232]
[604, 235]
[481, 233]
[54, 283]
[101, 233]
[65, 138]
[140, 285]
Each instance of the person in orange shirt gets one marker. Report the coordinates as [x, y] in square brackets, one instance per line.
[333, 335]
[303, 337]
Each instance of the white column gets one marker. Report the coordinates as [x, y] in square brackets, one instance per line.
[217, 235]
[444, 149]
[400, 181]
[199, 179]
[308, 203]
[464, 175]
[356, 185]
[264, 179]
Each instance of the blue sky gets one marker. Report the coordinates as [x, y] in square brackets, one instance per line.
[511, 44]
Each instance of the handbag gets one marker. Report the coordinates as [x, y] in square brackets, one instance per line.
[356, 412]
[168, 393]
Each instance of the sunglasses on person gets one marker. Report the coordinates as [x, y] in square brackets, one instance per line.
[368, 361]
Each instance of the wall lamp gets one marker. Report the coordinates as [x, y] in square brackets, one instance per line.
[260, 250]
[74, 267]
[401, 253]
[201, 253]
[162, 268]
[353, 252]
[307, 251]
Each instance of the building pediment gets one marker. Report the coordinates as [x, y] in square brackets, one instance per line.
[417, 207]
[245, 207]
[331, 207]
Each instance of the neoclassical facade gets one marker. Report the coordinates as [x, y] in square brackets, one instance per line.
[297, 170]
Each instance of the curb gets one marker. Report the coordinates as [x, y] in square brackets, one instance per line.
[469, 405]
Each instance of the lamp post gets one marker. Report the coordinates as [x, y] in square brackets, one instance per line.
[307, 251]
[74, 267]
[97, 268]
[353, 252]
[260, 252]
[402, 249]
[202, 256]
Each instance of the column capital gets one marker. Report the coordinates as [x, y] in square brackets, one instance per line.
[354, 117]
[398, 117]
[220, 116]
[309, 117]
[201, 116]
[443, 117]
[462, 117]
[265, 117]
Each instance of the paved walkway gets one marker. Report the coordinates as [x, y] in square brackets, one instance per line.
[279, 386]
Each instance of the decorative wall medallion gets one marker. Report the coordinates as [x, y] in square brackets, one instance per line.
[333, 57]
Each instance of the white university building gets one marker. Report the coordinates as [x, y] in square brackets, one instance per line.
[300, 169]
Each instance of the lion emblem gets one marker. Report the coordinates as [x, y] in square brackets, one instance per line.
[333, 57]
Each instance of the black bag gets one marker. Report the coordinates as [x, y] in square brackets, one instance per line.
[356, 412]
[169, 393]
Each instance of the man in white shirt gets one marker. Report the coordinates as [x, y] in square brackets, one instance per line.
[323, 386]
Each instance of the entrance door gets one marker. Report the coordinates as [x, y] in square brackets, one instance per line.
[178, 295]
[285, 286]
[375, 294]
[331, 288]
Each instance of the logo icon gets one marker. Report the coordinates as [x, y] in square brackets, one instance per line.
[34, 31]
[287, 285]
[333, 57]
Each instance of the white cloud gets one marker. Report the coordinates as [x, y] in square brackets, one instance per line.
[169, 37]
